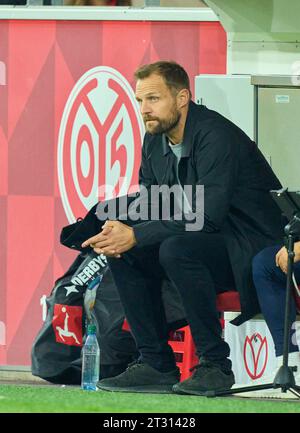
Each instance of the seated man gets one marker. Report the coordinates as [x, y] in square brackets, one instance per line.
[269, 276]
[201, 249]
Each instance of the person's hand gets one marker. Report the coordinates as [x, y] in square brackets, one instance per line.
[281, 258]
[105, 231]
[114, 239]
[297, 251]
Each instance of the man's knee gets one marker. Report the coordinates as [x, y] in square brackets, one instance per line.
[172, 251]
[264, 262]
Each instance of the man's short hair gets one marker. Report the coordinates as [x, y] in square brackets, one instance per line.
[175, 77]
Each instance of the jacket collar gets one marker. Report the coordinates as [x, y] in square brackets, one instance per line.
[188, 132]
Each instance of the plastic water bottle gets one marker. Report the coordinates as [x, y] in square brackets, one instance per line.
[90, 360]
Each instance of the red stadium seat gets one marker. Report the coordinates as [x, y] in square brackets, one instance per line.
[181, 340]
[184, 350]
[228, 301]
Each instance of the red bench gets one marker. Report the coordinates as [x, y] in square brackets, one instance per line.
[181, 340]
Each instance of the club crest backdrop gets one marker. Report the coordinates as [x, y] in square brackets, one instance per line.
[68, 125]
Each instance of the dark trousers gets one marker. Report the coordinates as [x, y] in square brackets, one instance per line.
[198, 266]
[270, 283]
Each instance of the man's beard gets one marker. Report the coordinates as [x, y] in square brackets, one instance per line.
[164, 125]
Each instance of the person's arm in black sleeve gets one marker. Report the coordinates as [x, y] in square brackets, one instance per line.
[216, 161]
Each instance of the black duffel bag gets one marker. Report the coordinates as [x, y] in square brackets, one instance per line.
[56, 350]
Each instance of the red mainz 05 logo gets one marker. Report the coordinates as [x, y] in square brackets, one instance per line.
[255, 355]
[99, 141]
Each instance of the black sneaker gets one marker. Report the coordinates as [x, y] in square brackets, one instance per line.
[206, 378]
[140, 377]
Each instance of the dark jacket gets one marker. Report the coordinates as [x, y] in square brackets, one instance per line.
[237, 180]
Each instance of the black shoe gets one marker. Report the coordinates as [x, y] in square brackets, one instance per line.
[140, 377]
[207, 377]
